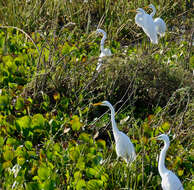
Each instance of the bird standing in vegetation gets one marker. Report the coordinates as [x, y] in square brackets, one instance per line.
[159, 23]
[145, 21]
[124, 147]
[104, 51]
[169, 180]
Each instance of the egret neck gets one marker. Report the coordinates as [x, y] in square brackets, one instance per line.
[161, 166]
[114, 126]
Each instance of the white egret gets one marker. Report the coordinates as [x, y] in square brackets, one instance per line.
[145, 21]
[169, 180]
[159, 23]
[124, 147]
[104, 51]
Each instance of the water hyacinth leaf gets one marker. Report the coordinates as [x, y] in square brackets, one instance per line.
[44, 173]
[20, 160]
[75, 123]
[77, 175]
[28, 145]
[94, 184]
[7, 164]
[4, 102]
[85, 137]
[19, 103]
[38, 121]
[8, 155]
[92, 172]
[101, 143]
[81, 184]
[24, 122]
[1, 141]
[74, 153]
[80, 164]
[180, 172]
[165, 126]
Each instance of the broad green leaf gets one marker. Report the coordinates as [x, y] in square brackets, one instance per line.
[81, 184]
[8, 155]
[1, 141]
[92, 172]
[24, 122]
[7, 164]
[20, 160]
[77, 175]
[180, 172]
[28, 145]
[4, 101]
[101, 143]
[85, 137]
[38, 121]
[75, 123]
[43, 172]
[19, 103]
[94, 184]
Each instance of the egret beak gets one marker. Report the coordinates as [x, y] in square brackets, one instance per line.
[133, 11]
[153, 138]
[97, 104]
[92, 34]
[146, 7]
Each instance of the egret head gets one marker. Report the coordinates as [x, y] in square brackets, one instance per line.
[100, 31]
[151, 6]
[163, 137]
[140, 10]
[104, 103]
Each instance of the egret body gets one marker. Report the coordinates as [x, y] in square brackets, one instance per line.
[169, 180]
[124, 146]
[145, 21]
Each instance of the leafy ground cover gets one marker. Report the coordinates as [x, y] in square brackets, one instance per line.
[51, 137]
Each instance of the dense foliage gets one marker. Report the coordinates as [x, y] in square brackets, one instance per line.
[51, 137]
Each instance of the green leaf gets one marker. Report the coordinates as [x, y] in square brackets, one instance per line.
[38, 121]
[81, 184]
[101, 143]
[20, 160]
[28, 145]
[19, 103]
[85, 137]
[1, 141]
[77, 175]
[92, 172]
[8, 155]
[94, 184]
[75, 123]
[44, 173]
[24, 122]
[4, 102]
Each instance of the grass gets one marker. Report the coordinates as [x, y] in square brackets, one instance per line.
[51, 137]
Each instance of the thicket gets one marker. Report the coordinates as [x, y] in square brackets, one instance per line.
[51, 137]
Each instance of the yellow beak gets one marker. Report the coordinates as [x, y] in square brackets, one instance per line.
[153, 138]
[97, 104]
[134, 11]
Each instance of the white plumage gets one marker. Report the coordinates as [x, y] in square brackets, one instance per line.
[145, 21]
[124, 146]
[169, 180]
[104, 51]
[160, 25]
